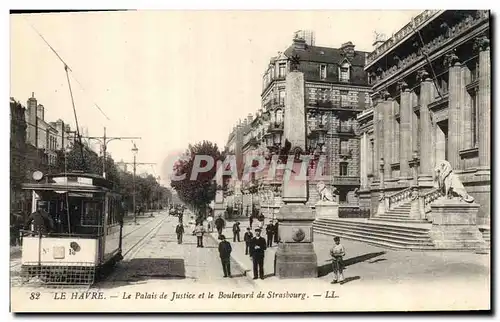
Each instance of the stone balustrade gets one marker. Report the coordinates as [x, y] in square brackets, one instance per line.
[399, 197]
[430, 197]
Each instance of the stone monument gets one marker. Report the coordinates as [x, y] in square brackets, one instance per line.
[454, 215]
[326, 207]
[295, 257]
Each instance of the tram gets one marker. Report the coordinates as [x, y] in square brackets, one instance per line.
[85, 231]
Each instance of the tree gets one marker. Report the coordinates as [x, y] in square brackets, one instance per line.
[200, 192]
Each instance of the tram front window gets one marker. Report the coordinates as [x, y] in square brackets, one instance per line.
[73, 215]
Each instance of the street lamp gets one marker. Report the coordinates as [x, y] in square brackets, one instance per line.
[134, 151]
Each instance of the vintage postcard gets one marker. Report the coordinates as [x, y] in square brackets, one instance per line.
[250, 161]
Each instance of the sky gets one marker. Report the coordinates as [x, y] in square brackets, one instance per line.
[172, 78]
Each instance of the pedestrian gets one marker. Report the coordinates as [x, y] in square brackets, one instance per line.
[219, 224]
[251, 221]
[269, 233]
[236, 231]
[248, 240]
[179, 230]
[225, 255]
[276, 236]
[199, 231]
[337, 252]
[258, 247]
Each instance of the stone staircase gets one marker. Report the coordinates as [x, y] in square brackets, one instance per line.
[400, 213]
[486, 235]
[393, 236]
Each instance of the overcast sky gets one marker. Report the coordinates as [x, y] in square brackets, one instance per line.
[170, 77]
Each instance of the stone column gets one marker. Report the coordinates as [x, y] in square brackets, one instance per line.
[387, 106]
[377, 133]
[381, 198]
[405, 135]
[414, 123]
[484, 106]
[295, 256]
[363, 161]
[455, 130]
[426, 148]
[466, 111]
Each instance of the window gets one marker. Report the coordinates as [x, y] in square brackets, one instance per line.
[282, 70]
[474, 118]
[343, 168]
[344, 98]
[344, 73]
[344, 147]
[282, 96]
[322, 71]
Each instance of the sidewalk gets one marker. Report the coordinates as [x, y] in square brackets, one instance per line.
[369, 263]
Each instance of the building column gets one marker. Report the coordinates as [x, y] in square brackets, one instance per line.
[466, 111]
[414, 124]
[363, 161]
[455, 130]
[387, 109]
[405, 135]
[484, 143]
[377, 134]
[426, 148]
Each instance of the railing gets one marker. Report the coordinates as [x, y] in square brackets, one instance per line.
[430, 197]
[353, 212]
[399, 197]
[346, 180]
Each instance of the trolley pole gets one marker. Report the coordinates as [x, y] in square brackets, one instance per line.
[133, 196]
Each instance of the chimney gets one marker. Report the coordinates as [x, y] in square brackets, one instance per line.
[299, 43]
[348, 49]
[40, 112]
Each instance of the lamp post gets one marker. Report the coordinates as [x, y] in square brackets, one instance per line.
[159, 194]
[134, 151]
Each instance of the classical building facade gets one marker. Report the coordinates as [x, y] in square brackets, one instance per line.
[336, 90]
[431, 102]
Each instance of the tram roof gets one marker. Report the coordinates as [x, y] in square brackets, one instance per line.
[85, 182]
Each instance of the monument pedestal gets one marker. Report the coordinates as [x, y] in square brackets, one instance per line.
[454, 225]
[327, 210]
[295, 257]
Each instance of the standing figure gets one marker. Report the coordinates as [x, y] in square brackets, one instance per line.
[337, 253]
[269, 233]
[179, 230]
[236, 231]
[41, 220]
[199, 231]
[225, 255]
[248, 240]
[251, 221]
[219, 224]
[257, 248]
[276, 236]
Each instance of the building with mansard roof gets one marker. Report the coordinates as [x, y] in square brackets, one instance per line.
[431, 101]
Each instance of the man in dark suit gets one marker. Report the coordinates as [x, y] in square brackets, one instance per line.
[225, 255]
[257, 249]
[41, 220]
[248, 241]
[269, 233]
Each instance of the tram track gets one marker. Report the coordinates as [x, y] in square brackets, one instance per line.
[135, 247]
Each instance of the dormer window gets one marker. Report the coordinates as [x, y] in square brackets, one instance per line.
[282, 70]
[344, 72]
[322, 71]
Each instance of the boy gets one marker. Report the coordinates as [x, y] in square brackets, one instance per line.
[337, 253]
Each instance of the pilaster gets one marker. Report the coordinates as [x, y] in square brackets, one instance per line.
[484, 105]
[405, 143]
[426, 148]
[455, 130]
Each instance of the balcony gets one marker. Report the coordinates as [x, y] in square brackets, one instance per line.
[345, 181]
[275, 127]
[346, 131]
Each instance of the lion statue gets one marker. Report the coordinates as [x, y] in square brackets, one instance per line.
[449, 183]
[325, 194]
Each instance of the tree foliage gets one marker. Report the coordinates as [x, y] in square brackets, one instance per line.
[200, 191]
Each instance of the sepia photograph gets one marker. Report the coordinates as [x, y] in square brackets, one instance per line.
[250, 161]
